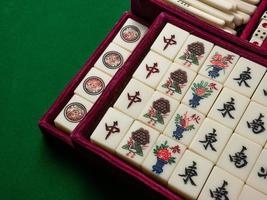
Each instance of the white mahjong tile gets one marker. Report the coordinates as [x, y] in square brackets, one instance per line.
[253, 124]
[256, 41]
[112, 59]
[260, 96]
[163, 158]
[176, 81]
[210, 139]
[137, 143]
[258, 176]
[221, 186]
[111, 129]
[158, 111]
[73, 112]
[190, 175]
[184, 124]
[170, 41]
[202, 94]
[229, 108]
[194, 52]
[133, 98]
[249, 193]
[152, 69]
[93, 84]
[219, 64]
[130, 34]
[239, 156]
[245, 77]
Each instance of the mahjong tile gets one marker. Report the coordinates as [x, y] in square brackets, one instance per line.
[170, 41]
[253, 124]
[112, 59]
[221, 186]
[137, 143]
[260, 96]
[130, 34]
[163, 158]
[219, 64]
[92, 86]
[152, 69]
[239, 156]
[74, 111]
[202, 94]
[258, 176]
[158, 111]
[194, 52]
[176, 81]
[229, 108]
[210, 139]
[184, 124]
[249, 193]
[245, 77]
[111, 129]
[133, 98]
[190, 175]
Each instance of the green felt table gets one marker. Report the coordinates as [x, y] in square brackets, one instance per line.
[43, 44]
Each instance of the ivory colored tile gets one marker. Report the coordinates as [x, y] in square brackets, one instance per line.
[245, 77]
[202, 94]
[152, 69]
[133, 98]
[221, 186]
[184, 124]
[170, 41]
[74, 111]
[158, 111]
[248, 193]
[219, 64]
[229, 108]
[112, 59]
[239, 156]
[253, 124]
[176, 81]
[194, 52]
[111, 129]
[260, 95]
[163, 158]
[137, 143]
[190, 175]
[210, 140]
[130, 34]
[258, 176]
[93, 84]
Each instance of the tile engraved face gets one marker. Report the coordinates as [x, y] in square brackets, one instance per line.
[75, 112]
[93, 85]
[190, 172]
[210, 138]
[152, 70]
[244, 77]
[130, 34]
[133, 98]
[239, 158]
[228, 107]
[169, 42]
[111, 129]
[112, 60]
[257, 125]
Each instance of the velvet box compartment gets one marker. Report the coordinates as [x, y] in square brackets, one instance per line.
[46, 123]
[84, 130]
[150, 9]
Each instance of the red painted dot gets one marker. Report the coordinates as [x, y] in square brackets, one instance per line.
[264, 25]
[256, 43]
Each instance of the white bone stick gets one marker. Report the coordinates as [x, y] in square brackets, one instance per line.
[211, 10]
[245, 16]
[252, 1]
[244, 7]
[194, 11]
[239, 19]
[220, 4]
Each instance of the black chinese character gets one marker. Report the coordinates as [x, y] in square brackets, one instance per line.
[240, 158]
[112, 129]
[133, 98]
[262, 173]
[220, 193]
[257, 125]
[227, 108]
[168, 42]
[190, 172]
[243, 77]
[210, 138]
[152, 70]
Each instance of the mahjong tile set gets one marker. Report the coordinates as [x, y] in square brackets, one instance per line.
[178, 108]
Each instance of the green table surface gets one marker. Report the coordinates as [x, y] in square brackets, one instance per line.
[42, 46]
